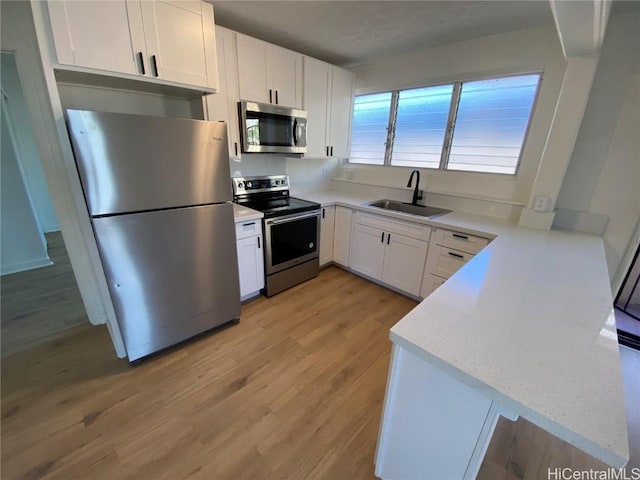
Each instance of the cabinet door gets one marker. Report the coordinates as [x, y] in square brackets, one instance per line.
[367, 250]
[252, 69]
[179, 39]
[223, 105]
[97, 34]
[250, 265]
[430, 283]
[327, 221]
[317, 83]
[341, 108]
[284, 76]
[404, 260]
[342, 235]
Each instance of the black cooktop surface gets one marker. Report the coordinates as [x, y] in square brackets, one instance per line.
[276, 207]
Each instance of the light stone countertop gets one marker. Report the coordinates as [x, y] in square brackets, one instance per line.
[244, 214]
[529, 321]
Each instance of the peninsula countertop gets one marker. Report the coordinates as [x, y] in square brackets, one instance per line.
[529, 321]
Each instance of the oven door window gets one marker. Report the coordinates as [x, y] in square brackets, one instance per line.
[294, 239]
[265, 129]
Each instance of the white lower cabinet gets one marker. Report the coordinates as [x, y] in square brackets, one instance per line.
[327, 221]
[223, 105]
[403, 263]
[367, 250]
[382, 253]
[342, 235]
[250, 258]
[448, 252]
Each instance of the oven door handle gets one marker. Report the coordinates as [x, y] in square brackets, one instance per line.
[293, 218]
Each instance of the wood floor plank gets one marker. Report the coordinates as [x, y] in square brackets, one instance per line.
[295, 390]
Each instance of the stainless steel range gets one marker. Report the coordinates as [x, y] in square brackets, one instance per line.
[291, 230]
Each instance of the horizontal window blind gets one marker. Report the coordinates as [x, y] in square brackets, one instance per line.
[369, 128]
[421, 123]
[491, 124]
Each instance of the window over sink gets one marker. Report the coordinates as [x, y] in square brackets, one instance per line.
[474, 126]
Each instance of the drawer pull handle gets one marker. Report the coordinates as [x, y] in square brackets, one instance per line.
[248, 224]
[457, 255]
[457, 235]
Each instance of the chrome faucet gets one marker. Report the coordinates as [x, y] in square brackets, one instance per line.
[417, 195]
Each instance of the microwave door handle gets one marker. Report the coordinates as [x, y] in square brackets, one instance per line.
[298, 132]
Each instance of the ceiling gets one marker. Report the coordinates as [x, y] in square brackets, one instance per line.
[350, 33]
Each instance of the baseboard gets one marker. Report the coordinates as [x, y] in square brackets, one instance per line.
[24, 266]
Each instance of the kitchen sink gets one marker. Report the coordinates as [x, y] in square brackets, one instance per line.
[423, 211]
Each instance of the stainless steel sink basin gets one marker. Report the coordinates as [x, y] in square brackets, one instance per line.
[423, 211]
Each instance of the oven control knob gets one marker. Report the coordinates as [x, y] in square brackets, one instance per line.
[248, 184]
[240, 185]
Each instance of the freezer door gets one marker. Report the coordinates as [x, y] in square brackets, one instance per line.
[132, 163]
[172, 274]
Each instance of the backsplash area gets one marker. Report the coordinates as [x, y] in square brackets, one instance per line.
[306, 175]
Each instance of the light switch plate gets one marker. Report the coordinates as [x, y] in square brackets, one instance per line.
[541, 203]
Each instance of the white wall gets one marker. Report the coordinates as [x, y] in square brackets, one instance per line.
[84, 97]
[22, 244]
[28, 157]
[306, 175]
[518, 52]
[601, 189]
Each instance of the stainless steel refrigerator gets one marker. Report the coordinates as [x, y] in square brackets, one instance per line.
[158, 191]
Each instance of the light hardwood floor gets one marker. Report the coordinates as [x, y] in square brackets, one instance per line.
[293, 391]
[40, 303]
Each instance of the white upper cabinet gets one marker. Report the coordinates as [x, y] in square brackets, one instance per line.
[268, 73]
[96, 34]
[317, 91]
[328, 97]
[252, 67]
[178, 35]
[223, 106]
[172, 41]
[341, 112]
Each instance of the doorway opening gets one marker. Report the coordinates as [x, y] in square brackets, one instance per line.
[38, 290]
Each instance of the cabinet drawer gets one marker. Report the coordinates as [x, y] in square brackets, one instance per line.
[249, 228]
[444, 262]
[429, 283]
[459, 241]
[408, 229]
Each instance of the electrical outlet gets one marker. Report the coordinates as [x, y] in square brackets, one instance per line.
[325, 172]
[541, 203]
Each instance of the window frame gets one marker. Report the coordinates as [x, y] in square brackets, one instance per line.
[451, 123]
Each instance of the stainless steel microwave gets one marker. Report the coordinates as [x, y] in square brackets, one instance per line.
[268, 128]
